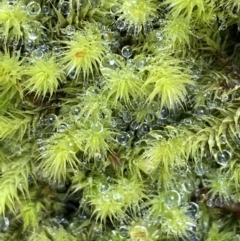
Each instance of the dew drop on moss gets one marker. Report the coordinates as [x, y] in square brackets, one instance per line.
[223, 157]
[201, 110]
[45, 10]
[123, 138]
[70, 30]
[37, 54]
[50, 119]
[33, 8]
[123, 231]
[65, 8]
[75, 110]
[62, 127]
[120, 25]
[4, 224]
[172, 198]
[97, 127]
[126, 51]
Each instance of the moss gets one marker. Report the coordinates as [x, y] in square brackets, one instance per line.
[119, 120]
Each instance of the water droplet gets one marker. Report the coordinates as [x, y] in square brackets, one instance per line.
[192, 209]
[172, 198]
[50, 119]
[115, 8]
[200, 169]
[223, 26]
[62, 127]
[209, 202]
[97, 127]
[29, 46]
[70, 29]
[4, 224]
[75, 110]
[45, 10]
[134, 125]
[159, 35]
[201, 110]
[120, 25]
[223, 157]
[123, 231]
[33, 8]
[126, 116]
[149, 118]
[219, 202]
[143, 130]
[123, 138]
[37, 54]
[103, 188]
[109, 62]
[126, 51]
[163, 113]
[65, 8]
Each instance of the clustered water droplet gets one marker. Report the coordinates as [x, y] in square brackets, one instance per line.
[33, 8]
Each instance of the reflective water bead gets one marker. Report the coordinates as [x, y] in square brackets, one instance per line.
[65, 8]
[45, 10]
[75, 110]
[192, 209]
[219, 202]
[50, 119]
[201, 110]
[120, 25]
[134, 125]
[159, 35]
[62, 127]
[103, 188]
[4, 224]
[97, 127]
[163, 113]
[70, 29]
[115, 8]
[149, 118]
[33, 8]
[172, 198]
[123, 231]
[29, 46]
[127, 117]
[109, 62]
[37, 54]
[143, 130]
[123, 138]
[126, 51]
[223, 157]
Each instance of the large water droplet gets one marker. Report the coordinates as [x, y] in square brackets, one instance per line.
[37, 54]
[126, 51]
[123, 231]
[33, 8]
[4, 224]
[172, 198]
[201, 110]
[70, 29]
[97, 127]
[223, 157]
[50, 119]
[123, 138]
[62, 127]
[65, 8]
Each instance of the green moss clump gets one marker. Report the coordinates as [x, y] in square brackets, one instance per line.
[119, 120]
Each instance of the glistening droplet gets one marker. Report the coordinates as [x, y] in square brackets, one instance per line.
[33, 8]
[126, 51]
